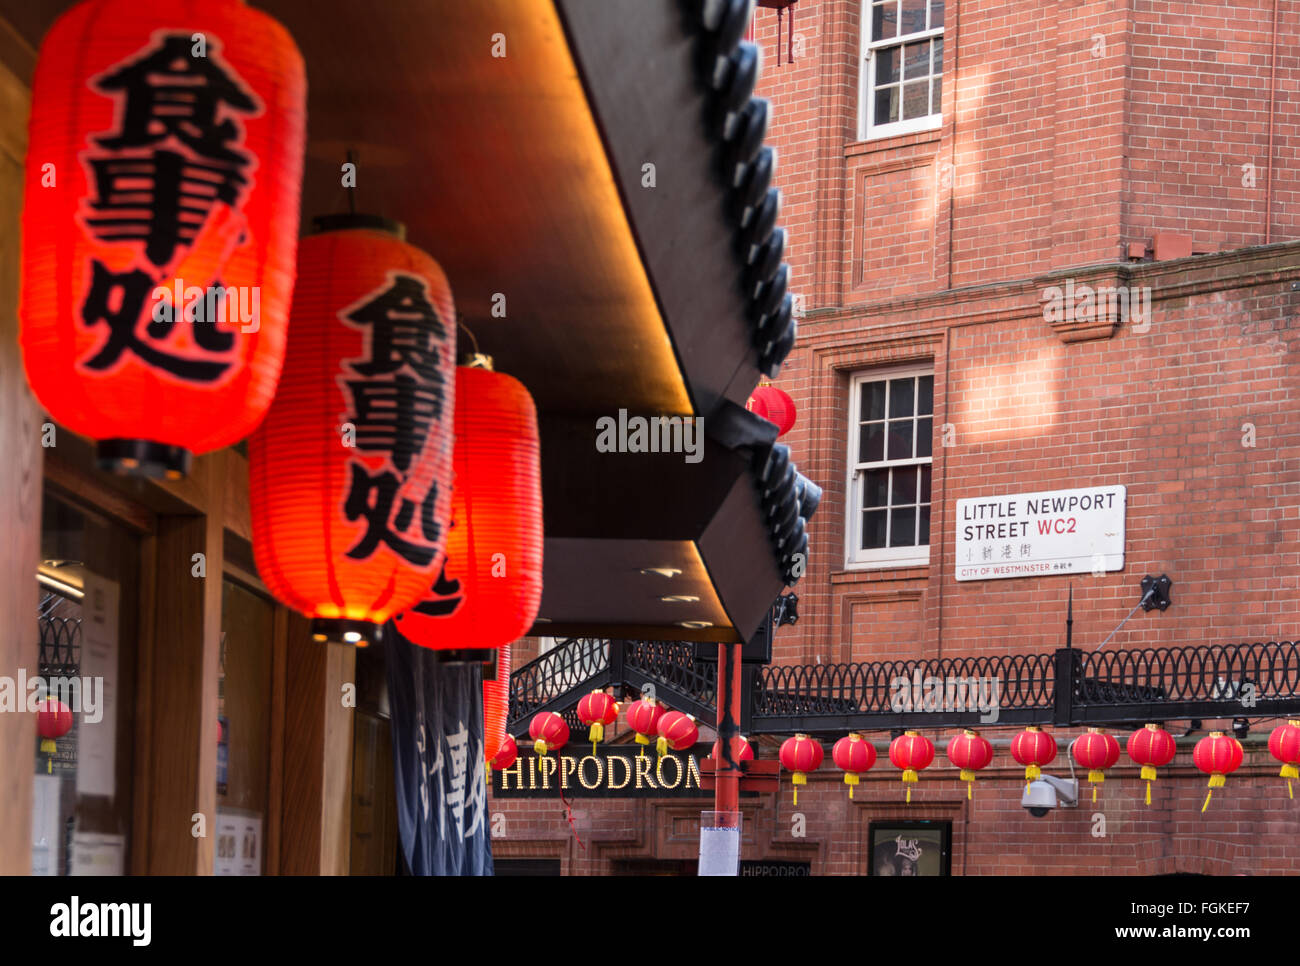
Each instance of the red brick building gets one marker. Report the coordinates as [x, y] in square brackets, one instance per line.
[946, 168]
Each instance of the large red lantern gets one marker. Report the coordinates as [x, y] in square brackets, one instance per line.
[53, 720]
[496, 704]
[597, 710]
[1284, 745]
[800, 755]
[643, 718]
[1095, 751]
[1151, 747]
[548, 731]
[491, 587]
[746, 750]
[1218, 755]
[774, 405]
[506, 754]
[855, 756]
[1033, 748]
[350, 473]
[164, 165]
[912, 752]
[677, 731]
[970, 752]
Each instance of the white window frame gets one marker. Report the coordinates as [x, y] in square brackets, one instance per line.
[855, 558]
[868, 130]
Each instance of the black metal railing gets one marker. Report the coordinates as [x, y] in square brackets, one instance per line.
[1065, 687]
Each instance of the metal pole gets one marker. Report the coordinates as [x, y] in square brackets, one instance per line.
[726, 795]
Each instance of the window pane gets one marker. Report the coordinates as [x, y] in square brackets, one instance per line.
[904, 486]
[873, 529]
[886, 105]
[884, 20]
[887, 65]
[938, 56]
[901, 397]
[913, 16]
[916, 60]
[925, 527]
[876, 491]
[925, 484]
[925, 396]
[873, 400]
[936, 13]
[871, 443]
[900, 440]
[924, 434]
[902, 527]
[936, 96]
[916, 99]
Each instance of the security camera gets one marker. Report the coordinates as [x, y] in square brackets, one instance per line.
[1046, 793]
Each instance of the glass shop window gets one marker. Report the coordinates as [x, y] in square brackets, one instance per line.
[88, 623]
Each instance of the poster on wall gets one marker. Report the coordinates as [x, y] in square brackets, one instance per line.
[910, 848]
[97, 728]
[238, 846]
[1040, 534]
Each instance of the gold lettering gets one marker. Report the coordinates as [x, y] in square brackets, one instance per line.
[677, 769]
[643, 771]
[518, 769]
[692, 772]
[532, 773]
[582, 775]
[627, 772]
[568, 765]
[545, 773]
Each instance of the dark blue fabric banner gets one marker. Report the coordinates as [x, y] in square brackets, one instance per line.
[437, 725]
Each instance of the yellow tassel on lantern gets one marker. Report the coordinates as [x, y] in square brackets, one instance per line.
[596, 733]
[1095, 778]
[968, 776]
[539, 746]
[1148, 776]
[661, 746]
[1288, 772]
[851, 780]
[48, 747]
[1032, 773]
[1217, 780]
[910, 777]
[799, 778]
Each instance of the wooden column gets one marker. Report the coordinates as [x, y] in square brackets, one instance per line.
[20, 497]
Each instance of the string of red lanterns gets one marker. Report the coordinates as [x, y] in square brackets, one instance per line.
[800, 755]
[1095, 751]
[596, 710]
[970, 752]
[854, 756]
[912, 752]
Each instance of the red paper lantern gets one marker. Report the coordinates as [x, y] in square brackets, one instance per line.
[1218, 755]
[1033, 748]
[496, 704]
[676, 731]
[1284, 745]
[350, 473]
[548, 731]
[970, 752]
[643, 718]
[597, 709]
[774, 405]
[506, 754]
[855, 756]
[491, 587]
[1151, 747]
[135, 194]
[1095, 751]
[800, 755]
[912, 752]
[53, 720]
[746, 750]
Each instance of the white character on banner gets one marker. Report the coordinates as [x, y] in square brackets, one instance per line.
[458, 755]
[476, 804]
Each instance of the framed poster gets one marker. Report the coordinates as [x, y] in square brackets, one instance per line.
[910, 848]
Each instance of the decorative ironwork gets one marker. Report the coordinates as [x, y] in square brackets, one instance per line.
[557, 679]
[60, 637]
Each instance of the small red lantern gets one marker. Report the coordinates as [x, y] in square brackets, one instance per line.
[506, 754]
[548, 731]
[350, 474]
[855, 756]
[496, 704]
[1033, 748]
[53, 720]
[1284, 745]
[676, 731]
[1218, 755]
[912, 752]
[970, 752]
[597, 710]
[490, 588]
[1151, 747]
[1095, 751]
[800, 755]
[164, 166]
[774, 405]
[643, 718]
[746, 750]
